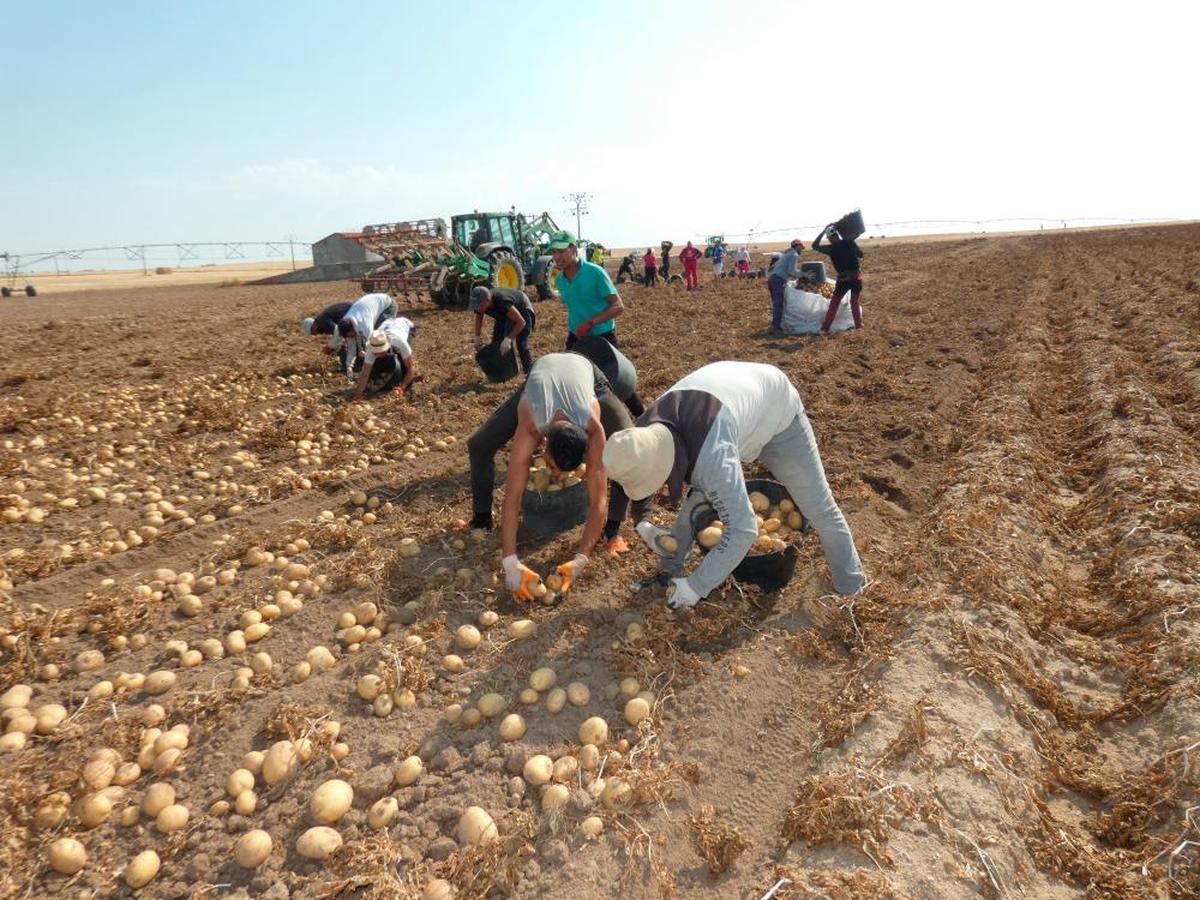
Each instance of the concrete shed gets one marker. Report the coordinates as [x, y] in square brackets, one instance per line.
[338, 248]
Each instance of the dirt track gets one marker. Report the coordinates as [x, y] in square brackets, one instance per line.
[1011, 708]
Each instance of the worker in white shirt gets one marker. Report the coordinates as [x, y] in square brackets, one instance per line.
[699, 433]
[366, 314]
[389, 358]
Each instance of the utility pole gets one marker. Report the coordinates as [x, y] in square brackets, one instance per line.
[291, 239]
[579, 199]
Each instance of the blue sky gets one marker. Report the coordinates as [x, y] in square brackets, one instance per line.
[138, 122]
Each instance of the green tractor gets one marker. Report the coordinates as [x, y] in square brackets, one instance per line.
[497, 249]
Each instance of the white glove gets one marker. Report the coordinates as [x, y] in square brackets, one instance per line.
[506, 346]
[657, 539]
[680, 594]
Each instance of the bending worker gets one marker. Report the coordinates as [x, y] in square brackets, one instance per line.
[512, 315]
[325, 323]
[566, 406]
[784, 269]
[699, 433]
[366, 314]
[592, 301]
[389, 358]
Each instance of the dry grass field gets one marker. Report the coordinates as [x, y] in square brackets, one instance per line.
[1010, 709]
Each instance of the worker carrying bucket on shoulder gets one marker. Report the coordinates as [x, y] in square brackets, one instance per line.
[699, 433]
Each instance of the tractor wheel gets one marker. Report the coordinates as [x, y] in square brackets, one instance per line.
[507, 271]
[5, 292]
[437, 288]
[30, 290]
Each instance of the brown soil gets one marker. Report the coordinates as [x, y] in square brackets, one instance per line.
[1010, 709]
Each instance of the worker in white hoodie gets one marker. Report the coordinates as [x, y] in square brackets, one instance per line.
[366, 314]
[699, 433]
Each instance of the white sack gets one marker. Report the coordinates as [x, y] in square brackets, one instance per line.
[803, 312]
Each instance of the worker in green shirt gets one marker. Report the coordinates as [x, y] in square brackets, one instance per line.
[591, 300]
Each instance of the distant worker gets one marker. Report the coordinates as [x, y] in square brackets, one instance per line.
[742, 262]
[690, 257]
[626, 268]
[845, 255]
[783, 270]
[650, 264]
[718, 260]
[666, 246]
[699, 433]
[388, 359]
[366, 314]
[591, 300]
[325, 323]
[565, 408]
[512, 315]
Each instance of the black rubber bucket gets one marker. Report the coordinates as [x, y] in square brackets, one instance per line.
[769, 571]
[851, 225]
[813, 272]
[497, 365]
[549, 513]
[621, 375]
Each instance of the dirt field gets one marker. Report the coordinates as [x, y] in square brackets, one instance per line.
[1011, 709]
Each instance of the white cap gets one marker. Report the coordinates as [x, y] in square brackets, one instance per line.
[640, 459]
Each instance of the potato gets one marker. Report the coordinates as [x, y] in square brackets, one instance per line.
[16, 697]
[318, 843]
[709, 537]
[171, 818]
[529, 696]
[476, 827]
[467, 637]
[556, 700]
[542, 679]
[98, 773]
[512, 728]
[94, 810]
[565, 769]
[522, 629]
[591, 827]
[438, 889]
[253, 761]
[616, 793]
[759, 501]
[491, 704]
[556, 797]
[382, 812]
[795, 521]
[369, 686]
[331, 801]
[471, 717]
[280, 762]
[239, 780]
[142, 869]
[47, 718]
[320, 658]
[453, 663]
[488, 618]
[539, 769]
[66, 856]
[407, 771]
[158, 797]
[252, 849]
[636, 709]
[594, 731]
[246, 802]
[257, 632]
[578, 693]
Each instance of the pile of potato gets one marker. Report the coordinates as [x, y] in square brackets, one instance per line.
[541, 479]
[776, 524]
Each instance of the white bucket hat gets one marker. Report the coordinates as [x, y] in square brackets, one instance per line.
[379, 343]
[306, 326]
[640, 459]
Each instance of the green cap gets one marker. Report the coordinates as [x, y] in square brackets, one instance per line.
[560, 240]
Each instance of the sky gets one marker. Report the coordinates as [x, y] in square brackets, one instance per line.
[139, 122]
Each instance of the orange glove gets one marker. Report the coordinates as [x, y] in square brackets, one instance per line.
[521, 580]
[570, 571]
[399, 392]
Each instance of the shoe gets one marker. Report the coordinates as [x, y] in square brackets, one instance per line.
[774, 330]
[616, 545]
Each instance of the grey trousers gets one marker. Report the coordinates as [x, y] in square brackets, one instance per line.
[793, 459]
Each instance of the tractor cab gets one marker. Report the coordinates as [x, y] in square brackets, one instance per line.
[477, 229]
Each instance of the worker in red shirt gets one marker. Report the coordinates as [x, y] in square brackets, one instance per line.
[650, 264]
[690, 257]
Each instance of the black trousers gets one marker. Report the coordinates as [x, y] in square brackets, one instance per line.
[499, 429]
[500, 329]
[633, 401]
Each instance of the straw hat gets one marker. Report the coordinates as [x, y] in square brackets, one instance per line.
[379, 343]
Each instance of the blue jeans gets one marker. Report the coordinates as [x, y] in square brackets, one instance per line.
[776, 284]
